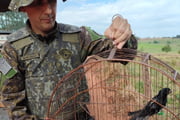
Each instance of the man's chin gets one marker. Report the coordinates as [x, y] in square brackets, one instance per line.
[48, 27]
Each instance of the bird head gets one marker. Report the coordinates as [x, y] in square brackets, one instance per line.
[165, 91]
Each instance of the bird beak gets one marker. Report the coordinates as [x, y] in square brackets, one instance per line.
[170, 91]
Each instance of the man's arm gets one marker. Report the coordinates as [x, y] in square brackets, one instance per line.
[93, 43]
[13, 87]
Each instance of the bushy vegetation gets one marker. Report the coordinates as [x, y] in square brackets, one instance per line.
[159, 45]
[166, 48]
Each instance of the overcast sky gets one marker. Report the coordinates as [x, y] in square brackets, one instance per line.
[148, 18]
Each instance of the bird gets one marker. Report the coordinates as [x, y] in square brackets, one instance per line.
[151, 108]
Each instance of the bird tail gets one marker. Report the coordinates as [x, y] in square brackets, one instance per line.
[134, 112]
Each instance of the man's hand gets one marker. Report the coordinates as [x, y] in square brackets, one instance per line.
[119, 31]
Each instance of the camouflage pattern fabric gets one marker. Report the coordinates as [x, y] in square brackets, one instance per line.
[40, 62]
[16, 4]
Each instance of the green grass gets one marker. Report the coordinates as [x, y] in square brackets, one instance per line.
[154, 47]
[150, 48]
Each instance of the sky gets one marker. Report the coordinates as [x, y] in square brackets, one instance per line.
[148, 18]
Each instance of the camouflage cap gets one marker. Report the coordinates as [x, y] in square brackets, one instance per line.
[16, 4]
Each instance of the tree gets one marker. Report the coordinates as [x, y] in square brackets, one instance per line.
[11, 21]
[166, 48]
[177, 36]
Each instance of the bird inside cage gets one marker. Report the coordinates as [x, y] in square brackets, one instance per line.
[152, 107]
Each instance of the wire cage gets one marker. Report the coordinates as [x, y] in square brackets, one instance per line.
[111, 84]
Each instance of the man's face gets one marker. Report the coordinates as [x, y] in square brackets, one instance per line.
[42, 14]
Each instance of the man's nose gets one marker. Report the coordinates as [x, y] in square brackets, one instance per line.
[48, 8]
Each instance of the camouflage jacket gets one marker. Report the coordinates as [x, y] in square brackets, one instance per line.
[34, 64]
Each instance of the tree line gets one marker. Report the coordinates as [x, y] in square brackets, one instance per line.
[177, 36]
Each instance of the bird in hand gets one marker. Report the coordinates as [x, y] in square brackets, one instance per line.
[151, 108]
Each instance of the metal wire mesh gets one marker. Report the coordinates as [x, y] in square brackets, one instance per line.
[107, 87]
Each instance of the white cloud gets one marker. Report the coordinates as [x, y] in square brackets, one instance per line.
[147, 18]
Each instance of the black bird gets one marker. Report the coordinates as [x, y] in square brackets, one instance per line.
[151, 107]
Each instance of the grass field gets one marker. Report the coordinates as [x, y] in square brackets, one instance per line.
[154, 47]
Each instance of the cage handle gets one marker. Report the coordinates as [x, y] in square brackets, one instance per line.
[112, 53]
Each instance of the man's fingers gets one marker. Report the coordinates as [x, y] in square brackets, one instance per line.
[121, 40]
[123, 36]
[119, 31]
[121, 28]
[118, 23]
[120, 45]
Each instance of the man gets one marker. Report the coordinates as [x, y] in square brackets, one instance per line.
[35, 57]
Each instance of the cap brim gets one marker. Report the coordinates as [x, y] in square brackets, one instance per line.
[4, 5]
